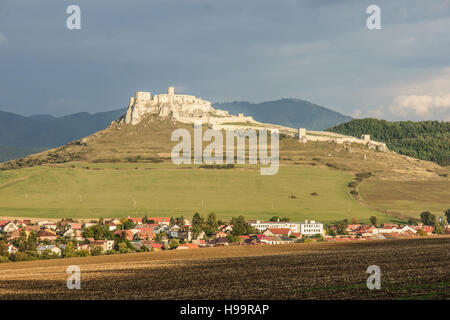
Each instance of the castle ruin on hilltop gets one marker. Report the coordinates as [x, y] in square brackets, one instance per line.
[181, 107]
[190, 109]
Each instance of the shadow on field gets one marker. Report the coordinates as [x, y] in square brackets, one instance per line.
[406, 272]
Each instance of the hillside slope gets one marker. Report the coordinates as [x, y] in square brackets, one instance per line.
[427, 140]
[46, 131]
[126, 170]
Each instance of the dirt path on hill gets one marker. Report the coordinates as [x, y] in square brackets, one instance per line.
[7, 184]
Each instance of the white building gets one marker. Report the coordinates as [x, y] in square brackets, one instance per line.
[263, 225]
[391, 230]
[50, 248]
[311, 228]
[10, 227]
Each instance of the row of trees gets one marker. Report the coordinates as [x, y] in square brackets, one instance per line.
[211, 224]
[430, 219]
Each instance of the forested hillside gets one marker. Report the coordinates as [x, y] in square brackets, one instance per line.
[427, 140]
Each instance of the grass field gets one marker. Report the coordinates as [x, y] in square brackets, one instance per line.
[409, 198]
[410, 269]
[126, 170]
[118, 190]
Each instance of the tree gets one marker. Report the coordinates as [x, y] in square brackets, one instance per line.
[211, 223]
[69, 250]
[145, 219]
[438, 228]
[198, 225]
[23, 241]
[341, 226]
[428, 218]
[32, 241]
[373, 220]
[98, 232]
[160, 236]
[180, 220]
[354, 220]
[231, 238]
[127, 224]
[274, 218]
[96, 251]
[428, 140]
[240, 226]
[421, 233]
[174, 243]
[3, 249]
[101, 221]
[123, 248]
[447, 214]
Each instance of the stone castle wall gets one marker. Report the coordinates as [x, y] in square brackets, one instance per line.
[190, 109]
[303, 136]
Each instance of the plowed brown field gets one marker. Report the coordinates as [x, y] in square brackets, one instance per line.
[410, 269]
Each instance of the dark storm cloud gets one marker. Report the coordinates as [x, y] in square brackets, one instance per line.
[223, 50]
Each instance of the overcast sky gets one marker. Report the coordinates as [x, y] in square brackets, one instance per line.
[228, 50]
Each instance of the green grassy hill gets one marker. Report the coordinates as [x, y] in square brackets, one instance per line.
[120, 190]
[126, 170]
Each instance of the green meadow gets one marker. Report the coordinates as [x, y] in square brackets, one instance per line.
[87, 190]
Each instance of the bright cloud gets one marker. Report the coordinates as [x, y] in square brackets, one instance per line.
[421, 105]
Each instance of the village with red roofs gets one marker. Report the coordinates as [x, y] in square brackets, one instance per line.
[27, 239]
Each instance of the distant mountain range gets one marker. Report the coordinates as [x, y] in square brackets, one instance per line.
[20, 135]
[49, 131]
[292, 113]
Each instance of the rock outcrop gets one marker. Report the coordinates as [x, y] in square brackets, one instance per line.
[180, 107]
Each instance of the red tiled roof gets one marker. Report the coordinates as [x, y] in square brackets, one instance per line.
[3, 222]
[75, 226]
[280, 230]
[156, 245]
[45, 233]
[147, 225]
[32, 228]
[135, 220]
[428, 228]
[159, 219]
[128, 234]
[189, 245]
[146, 233]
